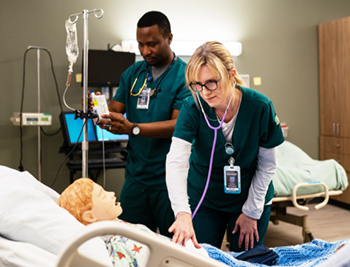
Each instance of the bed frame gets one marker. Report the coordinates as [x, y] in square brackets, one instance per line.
[163, 253]
[280, 204]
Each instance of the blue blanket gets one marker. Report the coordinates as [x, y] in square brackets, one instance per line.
[308, 254]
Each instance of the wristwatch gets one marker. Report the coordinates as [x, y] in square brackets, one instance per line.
[135, 130]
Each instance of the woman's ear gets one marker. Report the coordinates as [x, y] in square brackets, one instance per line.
[232, 73]
[88, 217]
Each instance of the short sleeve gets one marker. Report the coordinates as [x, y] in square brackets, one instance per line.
[187, 121]
[120, 95]
[182, 93]
[271, 134]
[182, 90]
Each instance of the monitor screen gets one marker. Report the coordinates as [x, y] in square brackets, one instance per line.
[106, 66]
[103, 134]
[71, 128]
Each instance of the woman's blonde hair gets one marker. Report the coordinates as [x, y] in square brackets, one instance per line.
[77, 198]
[219, 60]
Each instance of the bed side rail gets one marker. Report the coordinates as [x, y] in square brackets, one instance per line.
[294, 197]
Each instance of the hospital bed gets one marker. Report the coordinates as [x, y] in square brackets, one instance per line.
[300, 179]
[35, 231]
[32, 224]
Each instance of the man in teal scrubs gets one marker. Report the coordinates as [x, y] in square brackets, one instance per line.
[151, 93]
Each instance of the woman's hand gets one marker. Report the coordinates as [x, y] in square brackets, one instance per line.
[183, 230]
[248, 229]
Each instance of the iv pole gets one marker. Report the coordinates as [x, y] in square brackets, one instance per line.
[38, 48]
[85, 143]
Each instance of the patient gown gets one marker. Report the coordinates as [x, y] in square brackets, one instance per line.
[127, 252]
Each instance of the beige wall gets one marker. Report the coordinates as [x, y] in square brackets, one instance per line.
[279, 40]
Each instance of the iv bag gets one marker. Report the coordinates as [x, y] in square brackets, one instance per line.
[72, 49]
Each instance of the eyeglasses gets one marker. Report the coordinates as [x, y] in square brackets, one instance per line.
[210, 85]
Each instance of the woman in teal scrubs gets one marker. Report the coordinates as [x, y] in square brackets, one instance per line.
[226, 133]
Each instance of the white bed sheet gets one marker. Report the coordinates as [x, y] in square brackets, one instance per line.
[20, 254]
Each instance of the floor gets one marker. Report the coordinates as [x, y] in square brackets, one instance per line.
[331, 223]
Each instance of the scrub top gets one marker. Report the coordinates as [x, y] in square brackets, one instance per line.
[146, 156]
[257, 125]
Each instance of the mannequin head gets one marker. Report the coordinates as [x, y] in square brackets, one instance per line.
[88, 202]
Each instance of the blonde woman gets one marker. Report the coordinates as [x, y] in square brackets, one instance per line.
[223, 155]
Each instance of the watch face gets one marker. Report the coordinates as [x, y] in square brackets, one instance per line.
[136, 130]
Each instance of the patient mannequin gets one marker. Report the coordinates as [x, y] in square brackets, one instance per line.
[88, 202]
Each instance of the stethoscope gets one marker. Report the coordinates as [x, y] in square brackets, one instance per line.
[149, 78]
[228, 148]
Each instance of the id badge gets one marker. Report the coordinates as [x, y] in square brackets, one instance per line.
[143, 99]
[232, 179]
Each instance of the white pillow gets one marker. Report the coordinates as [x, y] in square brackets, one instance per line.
[29, 213]
[13, 179]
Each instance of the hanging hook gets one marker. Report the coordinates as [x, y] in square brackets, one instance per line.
[98, 16]
[75, 19]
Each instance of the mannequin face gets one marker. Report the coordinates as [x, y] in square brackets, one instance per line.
[104, 205]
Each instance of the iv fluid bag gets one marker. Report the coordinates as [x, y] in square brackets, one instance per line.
[72, 49]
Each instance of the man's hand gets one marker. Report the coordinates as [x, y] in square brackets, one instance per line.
[90, 104]
[117, 124]
[183, 230]
[248, 230]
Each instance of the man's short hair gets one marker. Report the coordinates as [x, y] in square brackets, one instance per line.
[155, 18]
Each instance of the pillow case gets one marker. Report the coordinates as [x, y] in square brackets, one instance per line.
[29, 213]
[13, 179]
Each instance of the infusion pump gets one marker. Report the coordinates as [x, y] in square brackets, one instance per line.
[32, 119]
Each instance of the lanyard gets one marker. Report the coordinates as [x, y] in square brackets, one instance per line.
[149, 78]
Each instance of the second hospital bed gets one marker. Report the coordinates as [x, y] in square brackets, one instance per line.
[300, 179]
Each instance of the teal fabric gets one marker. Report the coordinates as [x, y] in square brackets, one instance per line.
[148, 207]
[255, 126]
[217, 222]
[146, 156]
[295, 166]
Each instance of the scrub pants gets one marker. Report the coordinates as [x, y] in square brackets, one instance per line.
[210, 225]
[148, 207]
